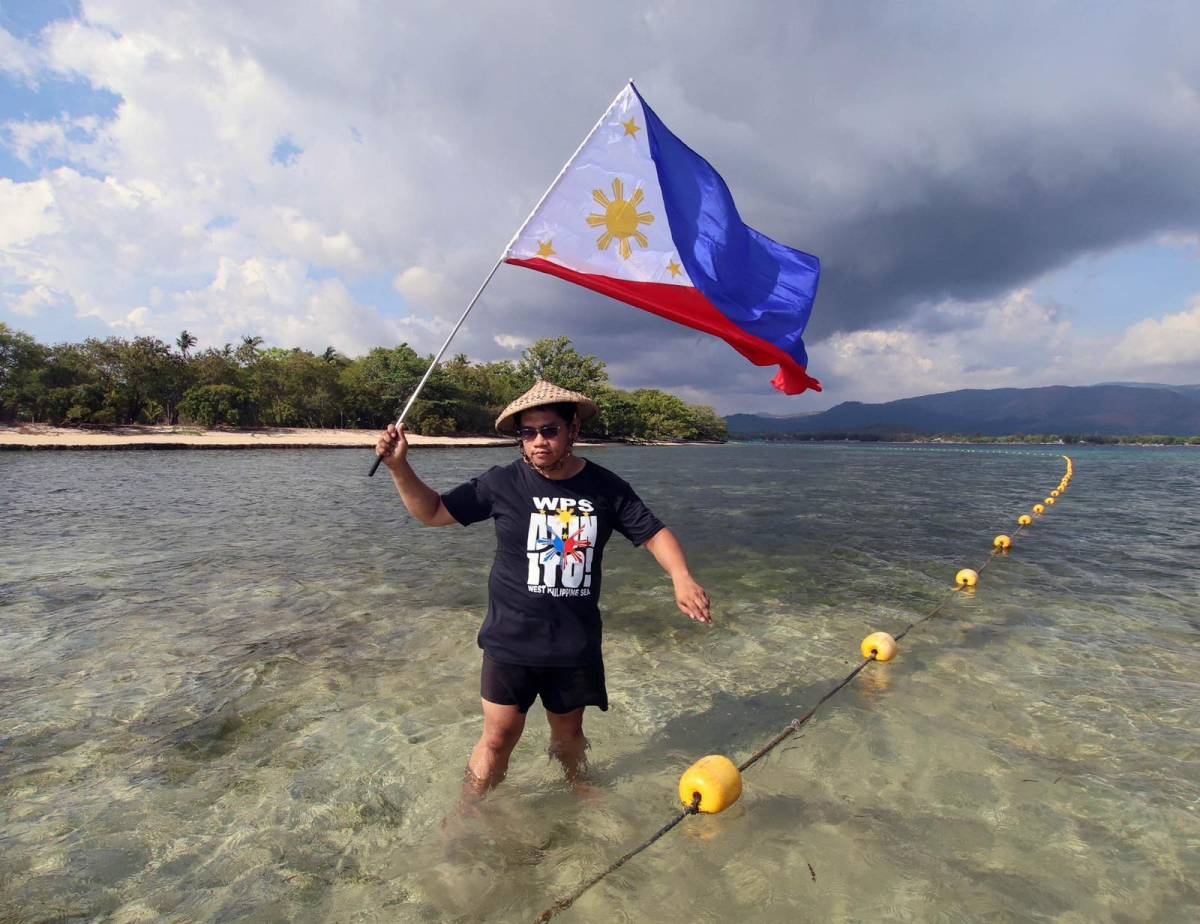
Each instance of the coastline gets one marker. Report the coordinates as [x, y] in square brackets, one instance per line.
[46, 437]
[34, 437]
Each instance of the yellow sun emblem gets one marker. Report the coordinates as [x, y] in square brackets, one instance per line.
[620, 219]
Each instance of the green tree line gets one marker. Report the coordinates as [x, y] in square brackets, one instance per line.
[146, 381]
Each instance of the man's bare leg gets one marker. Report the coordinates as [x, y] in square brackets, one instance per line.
[502, 727]
[567, 743]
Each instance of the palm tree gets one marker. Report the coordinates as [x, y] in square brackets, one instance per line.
[249, 349]
[185, 341]
[330, 355]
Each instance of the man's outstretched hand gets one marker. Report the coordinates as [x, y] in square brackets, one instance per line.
[692, 600]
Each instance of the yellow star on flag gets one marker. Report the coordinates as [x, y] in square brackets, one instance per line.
[545, 248]
[631, 127]
[674, 268]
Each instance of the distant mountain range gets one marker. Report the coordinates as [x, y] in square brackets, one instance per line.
[1113, 409]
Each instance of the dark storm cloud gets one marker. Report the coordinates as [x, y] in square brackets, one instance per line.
[923, 152]
[972, 234]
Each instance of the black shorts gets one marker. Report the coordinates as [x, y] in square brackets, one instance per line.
[563, 689]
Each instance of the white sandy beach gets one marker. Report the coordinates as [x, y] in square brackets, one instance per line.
[43, 436]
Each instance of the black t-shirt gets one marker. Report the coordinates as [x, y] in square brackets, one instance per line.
[544, 589]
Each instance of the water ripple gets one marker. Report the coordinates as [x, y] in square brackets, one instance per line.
[242, 685]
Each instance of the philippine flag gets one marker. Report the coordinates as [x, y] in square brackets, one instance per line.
[639, 216]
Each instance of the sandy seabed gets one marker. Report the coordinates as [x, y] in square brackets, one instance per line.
[43, 436]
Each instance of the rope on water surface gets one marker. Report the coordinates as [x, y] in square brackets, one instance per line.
[795, 724]
[790, 729]
[564, 903]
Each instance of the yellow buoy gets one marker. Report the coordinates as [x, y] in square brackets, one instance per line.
[967, 577]
[715, 780]
[1049, 501]
[1039, 509]
[1002, 542]
[878, 645]
[1055, 492]
[1024, 519]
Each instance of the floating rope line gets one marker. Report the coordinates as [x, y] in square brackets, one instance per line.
[564, 903]
[965, 580]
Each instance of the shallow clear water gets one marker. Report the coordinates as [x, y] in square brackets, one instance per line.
[243, 685]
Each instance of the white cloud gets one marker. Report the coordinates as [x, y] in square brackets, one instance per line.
[16, 57]
[1171, 342]
[1013, 342]
[287, 231]
[421, 286]
[99, 242]
[64, 138]
[134, 321]
[988, 344]
[278, 301]
[28, 210]
[510, 342]
[34, 301]
[1183, 241]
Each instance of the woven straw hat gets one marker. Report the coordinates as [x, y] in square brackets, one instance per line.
[544, 393]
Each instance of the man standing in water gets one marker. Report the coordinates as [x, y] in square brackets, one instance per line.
[554, 512]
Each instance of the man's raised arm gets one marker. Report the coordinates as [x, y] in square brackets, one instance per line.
[424, 503]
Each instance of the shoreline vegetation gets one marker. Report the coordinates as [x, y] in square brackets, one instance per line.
[254, 390]
[150, 437]
[144, 393]
[47, 437]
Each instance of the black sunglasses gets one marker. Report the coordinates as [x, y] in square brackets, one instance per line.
[549, 431]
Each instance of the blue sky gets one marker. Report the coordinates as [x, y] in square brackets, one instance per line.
[1115, 288]
[993, 205]
[48, 95]
[25, 20]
